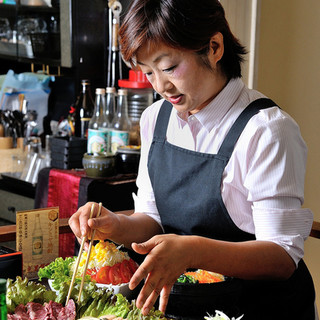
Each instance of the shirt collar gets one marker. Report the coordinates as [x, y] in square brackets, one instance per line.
[214, 112]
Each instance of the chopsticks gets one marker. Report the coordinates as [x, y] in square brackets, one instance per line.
[84, 239]
[88, 255]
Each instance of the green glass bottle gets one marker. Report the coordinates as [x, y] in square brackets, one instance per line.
[3, 303]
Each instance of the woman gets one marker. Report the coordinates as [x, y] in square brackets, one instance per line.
[221, 176]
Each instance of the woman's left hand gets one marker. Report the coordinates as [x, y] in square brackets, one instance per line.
[168, 256]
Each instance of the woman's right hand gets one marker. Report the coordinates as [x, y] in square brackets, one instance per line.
[81, 224]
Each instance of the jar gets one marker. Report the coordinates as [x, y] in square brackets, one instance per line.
[99, 165]
[127, 159]
[140, 96]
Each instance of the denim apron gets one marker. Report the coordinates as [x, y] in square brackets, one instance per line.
[187, 189]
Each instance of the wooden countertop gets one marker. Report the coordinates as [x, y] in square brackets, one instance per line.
[8, 233]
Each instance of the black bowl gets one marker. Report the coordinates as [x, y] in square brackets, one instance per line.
[127, 159]
[195, 301]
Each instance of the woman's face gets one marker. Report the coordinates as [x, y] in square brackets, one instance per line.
[180, 76]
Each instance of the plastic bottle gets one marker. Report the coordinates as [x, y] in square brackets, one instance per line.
[84, 110]
[98, 125]
[3, 303]
[121, 124]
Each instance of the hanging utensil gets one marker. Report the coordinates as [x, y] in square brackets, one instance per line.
[116, 10]
[110, 42]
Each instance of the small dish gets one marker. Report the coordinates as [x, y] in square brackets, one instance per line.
[121, 288]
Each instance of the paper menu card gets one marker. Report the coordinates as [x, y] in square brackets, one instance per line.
[37, 237]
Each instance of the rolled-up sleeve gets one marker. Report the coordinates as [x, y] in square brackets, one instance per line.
[287, 228]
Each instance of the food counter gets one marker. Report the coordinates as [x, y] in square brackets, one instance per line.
[8, 233]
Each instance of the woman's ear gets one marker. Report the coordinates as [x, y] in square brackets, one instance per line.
[216, 48]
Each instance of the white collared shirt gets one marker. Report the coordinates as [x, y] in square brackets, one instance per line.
[263, 183]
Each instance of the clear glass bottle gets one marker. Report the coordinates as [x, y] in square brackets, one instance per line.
[108, 111]
[121, 124]
[110, 103]
[84, 110]
[96, 133]
[37, 239]
[3, 302]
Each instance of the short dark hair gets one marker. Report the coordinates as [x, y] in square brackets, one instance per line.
[181, 24]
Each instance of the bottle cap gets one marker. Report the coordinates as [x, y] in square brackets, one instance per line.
[137, 80]
[3, 285]
[100, 91]
[122, 92]
[110, 90]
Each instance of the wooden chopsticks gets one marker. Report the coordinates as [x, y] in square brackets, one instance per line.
[84, 239]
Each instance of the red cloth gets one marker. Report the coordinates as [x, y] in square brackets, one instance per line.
[63, 192]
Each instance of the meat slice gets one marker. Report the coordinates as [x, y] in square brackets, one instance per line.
[68, 312]
[14, 317]
[49, 311]
[53, 309]
[20, 313]
[36, 311]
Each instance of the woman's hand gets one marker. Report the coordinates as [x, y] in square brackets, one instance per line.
[81, 224]
[167, 258]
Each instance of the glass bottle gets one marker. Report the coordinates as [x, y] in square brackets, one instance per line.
[109, 111]
[110, 103]
[84, 110]
[121, 124]
[3, 302]
[37, 239]
[96, 134]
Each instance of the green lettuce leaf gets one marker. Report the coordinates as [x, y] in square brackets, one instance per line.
[135, 313]
[22, 291]
[57, 269]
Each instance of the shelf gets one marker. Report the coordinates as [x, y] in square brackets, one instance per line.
[39, 61]
[23, 8]
[21, 52]
[40, 9]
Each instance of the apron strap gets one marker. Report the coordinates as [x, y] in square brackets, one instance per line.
[160, 131]
[234, 133]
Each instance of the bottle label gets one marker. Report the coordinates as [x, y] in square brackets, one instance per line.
[97, 141]
[107, 138]
[118, 139]
[37, 246]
